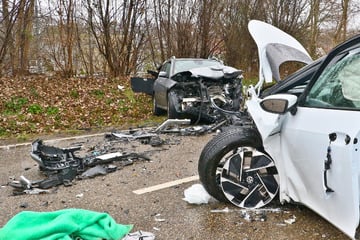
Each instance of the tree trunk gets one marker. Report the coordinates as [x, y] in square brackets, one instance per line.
[341, 30]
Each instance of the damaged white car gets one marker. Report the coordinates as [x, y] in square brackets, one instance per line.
[304, 148]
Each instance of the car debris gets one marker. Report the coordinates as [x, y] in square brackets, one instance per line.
[139, 235]
[158, 219]
[249, 215]
[196, 194]
[62, 165]
[36, 191]
[169, 126]
[171, 122]
[291, 220]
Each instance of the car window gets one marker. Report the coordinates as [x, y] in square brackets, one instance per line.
[338, 86]
[185, 65]
[166, 68]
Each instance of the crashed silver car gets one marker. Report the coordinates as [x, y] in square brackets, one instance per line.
[302, 148]
[193, 88]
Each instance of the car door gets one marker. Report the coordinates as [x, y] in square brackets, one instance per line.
[319, 143]
[161, 85]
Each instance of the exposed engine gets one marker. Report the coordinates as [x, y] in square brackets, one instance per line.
[208, 99]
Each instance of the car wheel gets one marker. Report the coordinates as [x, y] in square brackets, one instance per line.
[172, 106]
[156, 110]
[233, 169]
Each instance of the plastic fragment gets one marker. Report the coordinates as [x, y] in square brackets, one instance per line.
[225, 210]
[139, 235]
[196, 194]
[290, 220]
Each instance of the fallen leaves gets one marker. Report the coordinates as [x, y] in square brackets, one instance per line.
[38, 104]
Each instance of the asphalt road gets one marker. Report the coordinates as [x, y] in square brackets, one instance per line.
[161, 209]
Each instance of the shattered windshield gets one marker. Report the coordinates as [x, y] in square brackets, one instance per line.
[338, 86]
[185, 65]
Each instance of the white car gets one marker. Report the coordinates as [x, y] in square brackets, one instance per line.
[304, 149]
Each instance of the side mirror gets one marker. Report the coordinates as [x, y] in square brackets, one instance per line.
[153, 73]
[278, 103]
[162, 74]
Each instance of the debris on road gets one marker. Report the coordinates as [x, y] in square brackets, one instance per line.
[252, 215]
[139, 235]
[62, 165]
[158, 219]
[290, 220]
[169, 126]
[225, 210]
[196, 194]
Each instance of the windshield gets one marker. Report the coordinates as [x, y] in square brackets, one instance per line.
[187, 64]
[338, 86]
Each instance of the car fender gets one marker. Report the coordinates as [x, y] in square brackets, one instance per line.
[163, 83]
[267, 123]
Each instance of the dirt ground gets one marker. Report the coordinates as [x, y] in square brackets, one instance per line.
[161, 211]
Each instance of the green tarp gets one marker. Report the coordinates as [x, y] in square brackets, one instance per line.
[63, 225]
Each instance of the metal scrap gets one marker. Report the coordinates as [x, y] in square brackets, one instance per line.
[170, 122]
[62, 165]
[152, 137]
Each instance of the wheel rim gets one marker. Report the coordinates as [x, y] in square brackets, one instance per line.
[249, 178]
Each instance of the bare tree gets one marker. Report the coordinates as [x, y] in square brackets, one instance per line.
[185, 28]
[341, 27]
[25, 21]
[60, 31]
[122, 37]
[209, 24]
[117, 31]
[239, 48]
[9, 17]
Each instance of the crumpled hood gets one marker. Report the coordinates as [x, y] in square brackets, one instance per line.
[274, 48]
[213, 72]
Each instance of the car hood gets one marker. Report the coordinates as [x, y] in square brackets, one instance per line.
[212, 72]
[275, 47]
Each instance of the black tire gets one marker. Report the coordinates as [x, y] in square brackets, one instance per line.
[216, 154]
[156, 110]
[172, 106]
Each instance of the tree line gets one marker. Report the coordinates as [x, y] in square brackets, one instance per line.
[120, 38]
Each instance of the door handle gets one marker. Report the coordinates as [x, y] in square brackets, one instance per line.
[342, 139]
[327, 166]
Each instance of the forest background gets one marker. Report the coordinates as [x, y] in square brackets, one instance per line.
[61, 61]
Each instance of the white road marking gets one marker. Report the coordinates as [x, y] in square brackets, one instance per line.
[51, 140]
[166, 185]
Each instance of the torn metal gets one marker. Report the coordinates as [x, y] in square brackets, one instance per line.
[172, 126]
[170, 122]
[198, 88]
[62, 165]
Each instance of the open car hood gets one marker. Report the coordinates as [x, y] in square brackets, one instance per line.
[275, 47]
